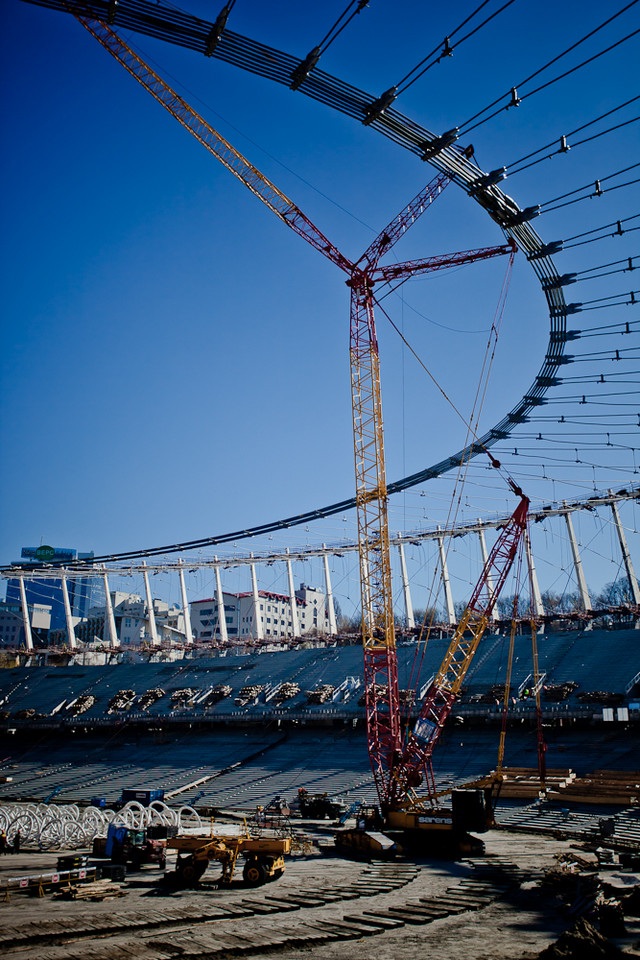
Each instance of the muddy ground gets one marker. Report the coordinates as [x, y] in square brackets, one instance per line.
[323, 908]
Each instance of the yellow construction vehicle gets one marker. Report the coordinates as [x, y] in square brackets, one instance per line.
[263, 857]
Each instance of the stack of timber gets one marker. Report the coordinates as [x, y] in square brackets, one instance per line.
[216, 694]
[122, 700]
[320, 694]
[249, 694]
[99, 890]
[183, 697]
[81, 704]
[286, 692]
[602, 787]
[149, 697]
[523, 783]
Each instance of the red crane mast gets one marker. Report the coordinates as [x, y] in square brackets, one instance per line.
[380, 661]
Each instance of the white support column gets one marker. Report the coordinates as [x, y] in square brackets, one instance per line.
[485, 557]
[110, 634]
[626, 556]
[259, 627]
[153, 630]
[577, 563]
[448, 599]
[333, 627]
[188, 632]
[536, 599]
[295, 623]
[67, 613]
[222, 620]
[28, 638]
[408, 609]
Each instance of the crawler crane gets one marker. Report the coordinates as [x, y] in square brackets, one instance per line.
[400, 760]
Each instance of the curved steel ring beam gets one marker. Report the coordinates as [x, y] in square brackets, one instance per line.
[187, 31]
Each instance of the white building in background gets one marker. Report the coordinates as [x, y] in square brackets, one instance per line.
[132, 620]
[274, 613]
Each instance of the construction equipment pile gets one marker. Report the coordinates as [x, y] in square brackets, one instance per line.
[604, 697]
[81, 704]
[149, 697]
[286, 692]
[27, 714]
[216, 694]
[555, 692]
[181, 698]
[377, 692]
[249, 694]
[320, 694]
[583, 892]
[122, 700]
[405, 697]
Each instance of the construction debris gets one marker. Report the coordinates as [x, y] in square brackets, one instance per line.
[581, 942]
[27, 714]
[122, 700]
[149, 697]
[604, 697]
[320, 694]
[249, 694]
[213, 696]
[286, 692]
[181, 698]
[556, 692]
[81, 704]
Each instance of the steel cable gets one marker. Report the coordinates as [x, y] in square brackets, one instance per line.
[540, 70]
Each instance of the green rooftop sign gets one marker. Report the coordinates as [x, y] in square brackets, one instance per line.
[45, 553]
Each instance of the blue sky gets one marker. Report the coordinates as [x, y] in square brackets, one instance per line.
[175, 362]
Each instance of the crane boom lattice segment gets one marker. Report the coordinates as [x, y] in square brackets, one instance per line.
[378, 637]
[405, 219]
[215, 143]
[415, 762]
[412, 268]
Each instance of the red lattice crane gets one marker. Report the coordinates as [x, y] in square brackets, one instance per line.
[395, 764]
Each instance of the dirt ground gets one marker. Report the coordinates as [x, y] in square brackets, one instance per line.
[325, 907]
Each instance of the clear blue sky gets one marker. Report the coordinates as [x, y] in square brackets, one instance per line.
[175, 362]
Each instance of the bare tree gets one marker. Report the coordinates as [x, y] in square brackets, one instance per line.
[616, 593]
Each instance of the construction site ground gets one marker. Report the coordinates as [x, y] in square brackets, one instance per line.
[325, 907]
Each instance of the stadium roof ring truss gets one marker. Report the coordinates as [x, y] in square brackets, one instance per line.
[191, 32]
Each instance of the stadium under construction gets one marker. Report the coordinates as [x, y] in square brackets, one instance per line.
[248, 772]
